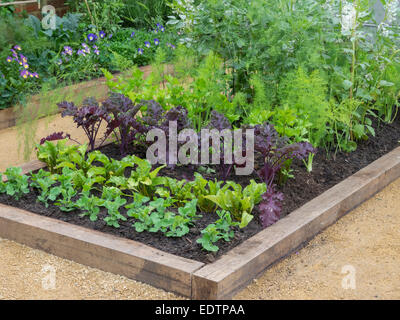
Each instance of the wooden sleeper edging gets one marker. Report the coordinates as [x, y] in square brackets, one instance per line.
[193, 279]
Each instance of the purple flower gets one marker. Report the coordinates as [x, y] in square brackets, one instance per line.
[23, 58]
[35, 75]
[156, 41]
[68, 50]
[14, 54]
[85, 49]
[160, 27]
[173, 47]
[24, 73]
[140, 51]
[102, 34]
[147, 44]
[132, 34]
[17, 47]
[92, 37]
[81, 53]
[26, 66]
[9, 59]
[96, 52]
[110, 36]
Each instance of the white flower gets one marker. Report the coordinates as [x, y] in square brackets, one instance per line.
[391, 11]
[349, 18]
[384, 29]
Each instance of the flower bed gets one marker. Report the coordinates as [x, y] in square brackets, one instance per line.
[96, 88]
[71, 53]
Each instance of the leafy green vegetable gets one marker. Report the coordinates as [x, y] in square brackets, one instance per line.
[67, 191]
[17, 184]
[52, 154]
[239, 202]
[89, 205]
[221, 229]
[143, 179]
[114, 215]
[154, 217]
[202, 188]
[44, 181]
[179, 190]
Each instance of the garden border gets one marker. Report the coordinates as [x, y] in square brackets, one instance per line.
[218, 280]
[8, 116]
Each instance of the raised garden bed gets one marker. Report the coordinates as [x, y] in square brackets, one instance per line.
[238, 262]
[93, 88]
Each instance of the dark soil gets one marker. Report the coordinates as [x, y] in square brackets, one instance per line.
[327, 171]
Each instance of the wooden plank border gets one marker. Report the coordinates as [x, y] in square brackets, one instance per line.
[234, 270]
[99, 250]
[96, 87]
[218, 280]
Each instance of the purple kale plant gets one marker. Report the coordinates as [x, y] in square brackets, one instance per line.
[220, 123]
[155, 117]
[55, 136]
[89, 116]
[122, 120]
[276, 151]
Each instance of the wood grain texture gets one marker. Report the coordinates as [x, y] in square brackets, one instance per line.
[234, 270]
[99, 250]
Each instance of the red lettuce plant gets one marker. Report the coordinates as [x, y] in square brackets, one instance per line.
[270, 207]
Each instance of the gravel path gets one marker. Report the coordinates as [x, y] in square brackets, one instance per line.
[366, 241]
[26, 273]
